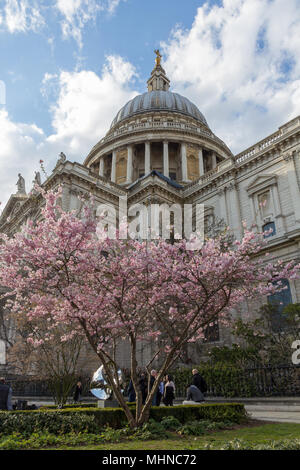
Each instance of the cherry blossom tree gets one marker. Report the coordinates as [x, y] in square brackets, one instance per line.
[109, 290]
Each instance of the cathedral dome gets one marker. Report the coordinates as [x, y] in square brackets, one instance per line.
[159, 100]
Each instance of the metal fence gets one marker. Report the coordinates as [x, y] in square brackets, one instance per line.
[267, 381]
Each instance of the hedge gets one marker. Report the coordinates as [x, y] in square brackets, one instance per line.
[95, 419]
[225, 380]
[222, 380]
[69, 406]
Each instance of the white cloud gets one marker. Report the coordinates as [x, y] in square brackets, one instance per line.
[19, 152]
[29, 15]
[21, 16]
[77, 13]
[81, 115]
[87, 104]
[240, 63]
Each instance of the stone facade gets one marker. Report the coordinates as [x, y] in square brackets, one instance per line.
[160, 147]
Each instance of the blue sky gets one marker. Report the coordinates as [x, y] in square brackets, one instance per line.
[69, 65]
[132, 31]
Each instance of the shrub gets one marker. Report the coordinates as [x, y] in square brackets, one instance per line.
[150, 430]
[28, 422]
[96, 419]
[170, 423]
[197, 428]
[234, 412]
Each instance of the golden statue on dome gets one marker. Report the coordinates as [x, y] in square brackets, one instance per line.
[158, 56]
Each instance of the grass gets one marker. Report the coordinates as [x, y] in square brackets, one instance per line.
[257, 432]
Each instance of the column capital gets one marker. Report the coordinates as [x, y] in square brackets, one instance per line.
[221, 191]
[232, 186]
[288, 157]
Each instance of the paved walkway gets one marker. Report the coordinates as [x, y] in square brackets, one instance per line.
[284, 413]
[279, 409]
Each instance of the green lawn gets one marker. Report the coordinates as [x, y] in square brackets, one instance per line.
[259, 434]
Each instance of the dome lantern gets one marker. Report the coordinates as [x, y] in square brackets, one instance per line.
[158, 80]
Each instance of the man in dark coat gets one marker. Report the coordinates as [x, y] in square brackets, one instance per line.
[78, 392]
[199, 381]
[5, 395]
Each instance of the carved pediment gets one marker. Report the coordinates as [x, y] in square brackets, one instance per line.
[12, 207]
[261, 182]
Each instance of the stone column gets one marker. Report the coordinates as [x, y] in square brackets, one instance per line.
[223, 206]
[293, 185]
[101, 166]
[113, 166]
[277, 209]
[166, 159]
[253, 213]
[147, 158]
[184, 162]
[214, 160]
[129, 164]
[235, 211]
[201, 162]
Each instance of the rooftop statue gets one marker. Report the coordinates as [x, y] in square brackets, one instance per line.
[21, 185]
[62, 158]
[158, 56]
[37, 178]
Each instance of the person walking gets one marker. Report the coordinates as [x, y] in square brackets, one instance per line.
[169, 392]
[78, 392]
[199, 381]
[5, 395]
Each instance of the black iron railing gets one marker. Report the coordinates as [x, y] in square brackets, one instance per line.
[259, 381]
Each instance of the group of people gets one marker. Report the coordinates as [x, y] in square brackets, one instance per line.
[165, 392]
[166, 389]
